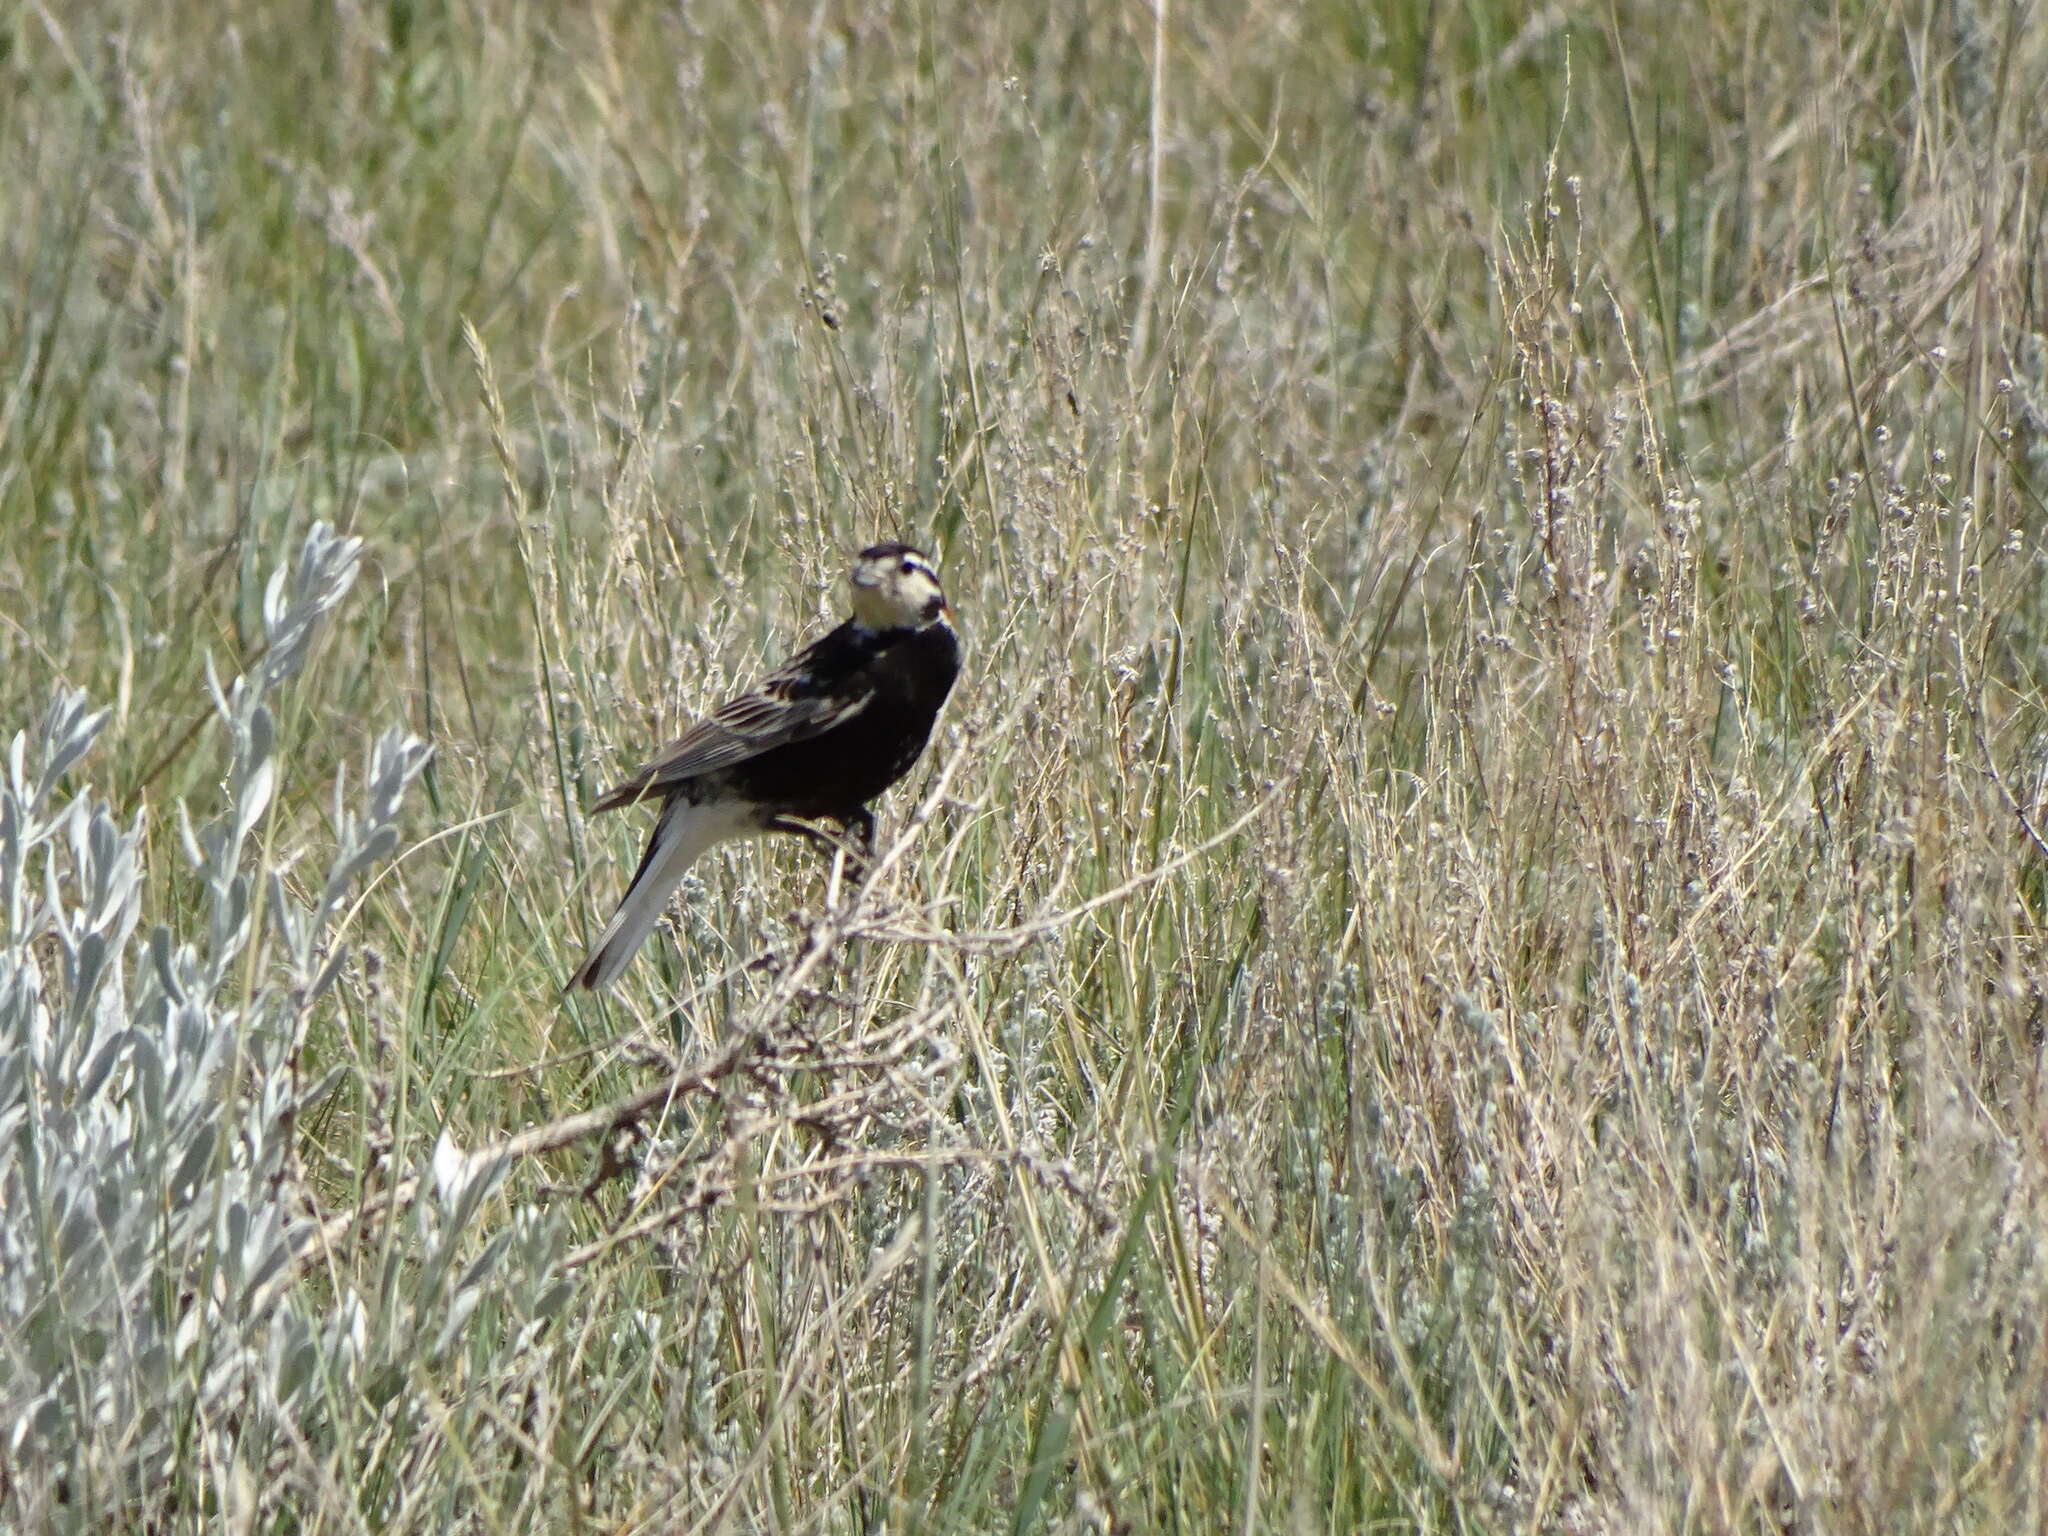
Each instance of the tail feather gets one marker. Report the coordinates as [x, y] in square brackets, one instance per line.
[681, 836]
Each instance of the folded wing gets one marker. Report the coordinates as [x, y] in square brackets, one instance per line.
[788, 706]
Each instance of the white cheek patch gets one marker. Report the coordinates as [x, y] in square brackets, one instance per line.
[901, 589]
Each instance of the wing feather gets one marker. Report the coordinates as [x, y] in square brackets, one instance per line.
[788, 705]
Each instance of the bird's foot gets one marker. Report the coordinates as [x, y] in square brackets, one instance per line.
[854, 839]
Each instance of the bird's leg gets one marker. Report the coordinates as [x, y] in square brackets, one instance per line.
[860, 827]
[854, 844]
[857, 843]
[809, 831]
[856, 839]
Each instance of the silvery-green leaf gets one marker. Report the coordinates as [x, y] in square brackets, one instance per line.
[324, 978]
[149, 1075]
[253, 796]
[553, 1297]
[14, 837]
[82, 975]
[481, 1267]
[75, 1229]
[230, 920]
[69, 726]
[268, 1257]
[196, 1162]
[274, 606]
[328, 1081]
[103, 1061]
[188, 837]
[215, 690]
[459, 1308]
[451, 1170]
[297, 1357]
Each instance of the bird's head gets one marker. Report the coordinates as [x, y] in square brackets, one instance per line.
[895, 587]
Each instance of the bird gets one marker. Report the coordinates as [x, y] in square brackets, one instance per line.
[813, 742]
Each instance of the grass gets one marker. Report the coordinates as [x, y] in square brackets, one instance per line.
[1468, 954]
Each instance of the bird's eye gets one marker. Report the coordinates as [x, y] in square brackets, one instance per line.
[909, 566]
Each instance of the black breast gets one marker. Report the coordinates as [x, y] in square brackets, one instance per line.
[907, 673]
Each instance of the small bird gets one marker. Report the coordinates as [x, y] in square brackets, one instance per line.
[816, 740]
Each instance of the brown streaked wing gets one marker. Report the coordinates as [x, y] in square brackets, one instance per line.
[768, 717]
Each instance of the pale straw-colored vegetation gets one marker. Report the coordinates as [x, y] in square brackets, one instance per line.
[1467, 956]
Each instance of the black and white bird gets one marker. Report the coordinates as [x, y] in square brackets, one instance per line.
[815, 741]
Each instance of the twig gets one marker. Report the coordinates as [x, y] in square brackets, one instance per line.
[1991, 772]
[620, 1114]
[854, 1164]
[1008, 940]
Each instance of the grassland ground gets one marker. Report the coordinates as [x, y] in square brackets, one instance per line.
[1467, 955]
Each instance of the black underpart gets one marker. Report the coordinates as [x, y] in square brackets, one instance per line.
[833, 727]
[904, 676]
